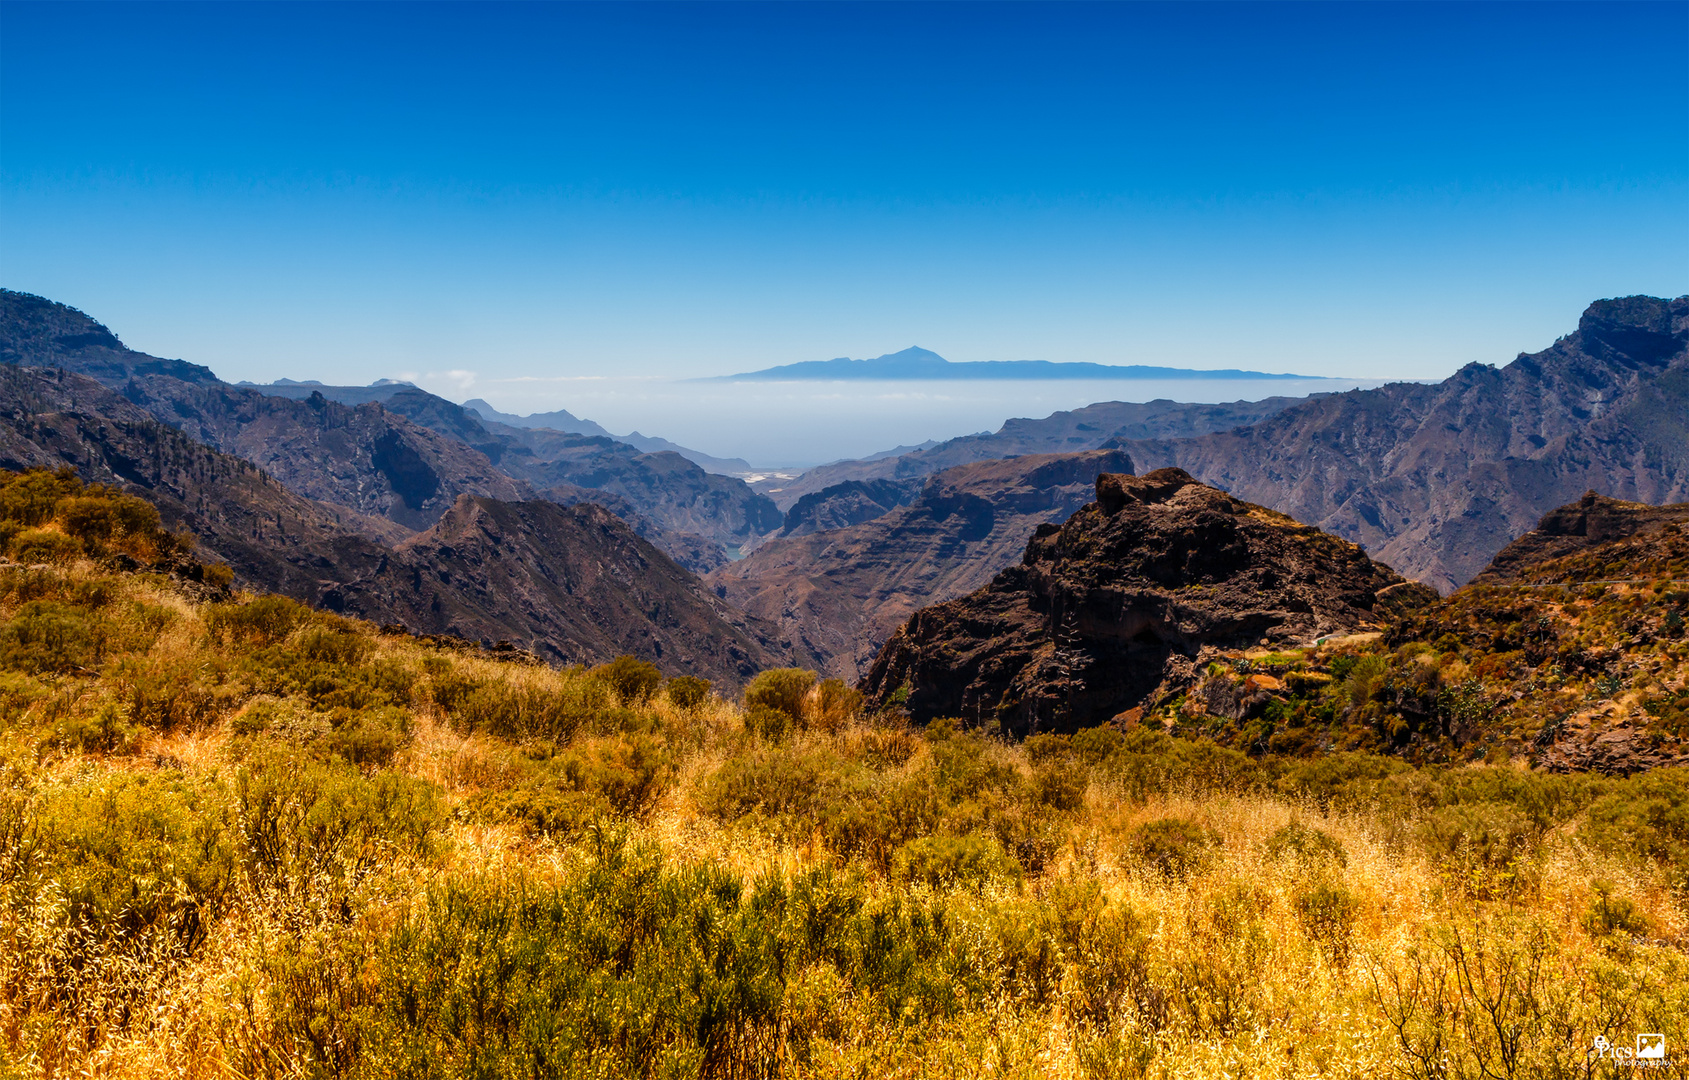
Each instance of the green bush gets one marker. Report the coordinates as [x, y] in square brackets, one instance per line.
[45, 636]
[1483, 846]
[105, 729]
[524, 711]
[367, 737]
[969, 861]
[632, 680]
[833, 705]
[783, 689]
[1647, 815]
[687, 692]
[1173, 847]
[1306, 843]
[44, 546]
[305, 822]
[766, 723]
[625, 968]
[136, 853]
[1609, 915]
[267, 620]
[326, 645]
[29, 498]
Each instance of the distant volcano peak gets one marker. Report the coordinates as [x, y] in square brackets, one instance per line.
[918, 363]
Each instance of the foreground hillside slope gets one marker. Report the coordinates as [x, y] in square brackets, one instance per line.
[240, 837]
[838, 594]
[1435, 480]
[1115, 608]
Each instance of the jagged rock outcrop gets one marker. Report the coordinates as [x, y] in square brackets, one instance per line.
[1118, 605]
[1574, 633]
[838, 594]
[1436, 479]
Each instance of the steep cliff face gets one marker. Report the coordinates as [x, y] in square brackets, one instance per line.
[1435, 480]
[839, 594]
[274, 539]
[1118, 605]
[393, 451]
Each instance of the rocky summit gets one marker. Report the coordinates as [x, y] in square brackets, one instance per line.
[1120, 605]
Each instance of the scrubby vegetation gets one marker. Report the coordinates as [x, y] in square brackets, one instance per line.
[1494, 672]
[238, 836]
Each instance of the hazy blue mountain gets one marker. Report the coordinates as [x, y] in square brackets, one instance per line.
[568, 423]
[918, 363]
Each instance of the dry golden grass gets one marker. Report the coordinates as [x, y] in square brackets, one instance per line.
[1238, 966]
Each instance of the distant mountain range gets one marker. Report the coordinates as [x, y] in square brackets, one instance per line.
[384, 391]
[391, 502]
[918, 363]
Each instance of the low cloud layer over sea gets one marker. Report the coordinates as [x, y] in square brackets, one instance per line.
[808, 423]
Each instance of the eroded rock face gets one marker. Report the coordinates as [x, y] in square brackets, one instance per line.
[1118, 605]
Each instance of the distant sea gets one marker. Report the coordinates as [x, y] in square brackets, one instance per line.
[773, 424]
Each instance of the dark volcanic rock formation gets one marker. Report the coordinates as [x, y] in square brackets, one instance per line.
[839, 594]
[1116, 606]
[1435, 480]
[1592, 521]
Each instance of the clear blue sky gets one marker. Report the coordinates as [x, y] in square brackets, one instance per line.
[346, 192]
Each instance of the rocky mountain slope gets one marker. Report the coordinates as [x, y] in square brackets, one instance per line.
[1591, 522]
[570, 584]
[1118, 606]
[1093, 427]
[565, 421]
[838, 594]
[1572, 647]
[364, 457]
[392, 451]
[1435, 480]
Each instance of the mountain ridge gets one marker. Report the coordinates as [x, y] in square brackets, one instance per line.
[918, 363]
